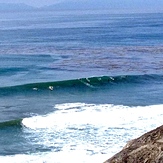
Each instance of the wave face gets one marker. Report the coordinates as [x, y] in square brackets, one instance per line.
[90, 83]
[12, 123]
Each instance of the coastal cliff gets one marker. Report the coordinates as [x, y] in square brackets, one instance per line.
[148, 148]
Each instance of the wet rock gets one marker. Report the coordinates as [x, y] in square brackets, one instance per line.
[148, 148]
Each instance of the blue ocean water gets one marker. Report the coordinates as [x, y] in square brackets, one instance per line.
[77, 85]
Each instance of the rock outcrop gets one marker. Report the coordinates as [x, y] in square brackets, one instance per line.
[148, 148]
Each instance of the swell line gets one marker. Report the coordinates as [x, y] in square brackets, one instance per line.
[91, 83]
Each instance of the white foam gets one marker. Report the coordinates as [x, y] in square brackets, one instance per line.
[89, 132]
[79, 114]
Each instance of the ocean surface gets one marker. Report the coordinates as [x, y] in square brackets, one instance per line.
[75, 86]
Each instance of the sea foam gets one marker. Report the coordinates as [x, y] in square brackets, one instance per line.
[81, 132]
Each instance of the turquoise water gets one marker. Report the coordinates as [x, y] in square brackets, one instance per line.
[77, 84]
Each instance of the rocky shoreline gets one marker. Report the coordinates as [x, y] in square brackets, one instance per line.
[148, 148]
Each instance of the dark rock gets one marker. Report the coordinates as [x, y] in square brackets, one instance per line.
[148, 148]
